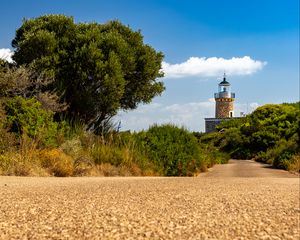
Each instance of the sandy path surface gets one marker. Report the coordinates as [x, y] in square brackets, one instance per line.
[240, 200]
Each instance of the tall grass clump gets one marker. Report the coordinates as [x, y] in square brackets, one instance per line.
[120, 150]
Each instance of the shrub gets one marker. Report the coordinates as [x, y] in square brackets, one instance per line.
[282, 154]
[106, 169]
[18, 164]
[13, 164]
[102, 153]
[6, 164]
[294, 164]
[7, 139]
[72, 147]
[57, 162]
[174, 151]
[269, 134]
[285, 150]
[26, 117]
[83, 165]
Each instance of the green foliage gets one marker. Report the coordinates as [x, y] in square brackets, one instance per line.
[4, 65]
[163, 150]
[270, 134]
[81, 75]
[174, 151]
[233, 123]
[27, 117]
[7, 139]
[280, 155]
[210, 149]
[97, 68]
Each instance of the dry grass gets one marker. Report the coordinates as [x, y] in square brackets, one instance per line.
[295, 164]
[106, 169]
[14, 163]
[57, 162]
[72, 158]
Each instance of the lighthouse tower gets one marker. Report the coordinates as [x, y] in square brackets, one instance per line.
[224, 100]
[224, 106]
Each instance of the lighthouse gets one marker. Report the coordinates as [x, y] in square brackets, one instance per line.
[224, 110]
[224, 100]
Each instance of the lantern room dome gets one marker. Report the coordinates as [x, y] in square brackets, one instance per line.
[224, 82]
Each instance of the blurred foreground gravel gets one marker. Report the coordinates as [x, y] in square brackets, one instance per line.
[240, 200]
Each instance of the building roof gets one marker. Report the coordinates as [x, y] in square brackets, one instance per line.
[224, 82]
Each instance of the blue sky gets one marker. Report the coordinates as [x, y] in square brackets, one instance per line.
[265, 30]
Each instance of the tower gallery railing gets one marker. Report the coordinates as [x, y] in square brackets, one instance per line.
[224, 95]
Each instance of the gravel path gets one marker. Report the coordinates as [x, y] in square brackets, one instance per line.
[240, 200]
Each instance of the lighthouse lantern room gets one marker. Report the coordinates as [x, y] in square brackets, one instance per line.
[224, 100]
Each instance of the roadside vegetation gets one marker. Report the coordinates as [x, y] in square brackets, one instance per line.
[67, 82]
[34, 144]
[58, 98]
[270, 135]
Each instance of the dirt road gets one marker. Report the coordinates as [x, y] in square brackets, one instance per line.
[240, 200]
[245, 169]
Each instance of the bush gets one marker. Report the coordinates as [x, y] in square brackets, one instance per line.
[270, 134]
[174, 151]
[285, 151]
[217, 157]
[282, 154]
[57, 162]
[7, 139]
[16, 163]
[120, 156]
[26, 117]
[102, 153]
[294, 163]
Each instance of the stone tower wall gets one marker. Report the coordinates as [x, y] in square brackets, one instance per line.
[223, 107]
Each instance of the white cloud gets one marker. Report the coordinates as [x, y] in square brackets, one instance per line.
[210, 67]
[190, 115]
[6, 54]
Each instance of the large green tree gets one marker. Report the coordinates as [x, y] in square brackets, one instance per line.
[98, 69]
